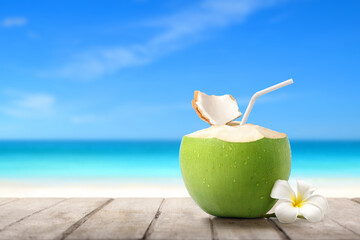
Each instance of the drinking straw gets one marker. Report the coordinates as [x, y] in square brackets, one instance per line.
[260, 93]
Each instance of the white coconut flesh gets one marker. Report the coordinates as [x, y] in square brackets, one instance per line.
[216, 110]
[233, 132]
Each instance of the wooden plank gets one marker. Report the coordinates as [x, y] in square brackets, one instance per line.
[231, 228]
[18, 210]
[346, 213]
[121, 219]
[54, 222]
[180, 218]
[327, 229]
[6, 200]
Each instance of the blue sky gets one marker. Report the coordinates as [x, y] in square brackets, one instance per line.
[128, 69]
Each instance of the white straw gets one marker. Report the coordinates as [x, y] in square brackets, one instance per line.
[260, 93]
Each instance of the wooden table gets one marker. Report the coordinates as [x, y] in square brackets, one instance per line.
[156, 218]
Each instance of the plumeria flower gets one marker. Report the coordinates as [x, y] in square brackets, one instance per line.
[311, 206]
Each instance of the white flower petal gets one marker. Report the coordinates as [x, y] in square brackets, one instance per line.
[318, 201]
[304, 190]
[286, 212]
[311, 212]
[282, 190]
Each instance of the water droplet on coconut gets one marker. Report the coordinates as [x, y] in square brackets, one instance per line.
[234, 180]
[245, 163]
[261, 197]
[257, 184]
[208, 185]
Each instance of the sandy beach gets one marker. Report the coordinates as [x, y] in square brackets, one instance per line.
[159, 188]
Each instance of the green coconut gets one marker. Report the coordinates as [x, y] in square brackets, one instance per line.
[229, 170]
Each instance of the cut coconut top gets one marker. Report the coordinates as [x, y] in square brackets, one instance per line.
[233, 132]
[216, 110]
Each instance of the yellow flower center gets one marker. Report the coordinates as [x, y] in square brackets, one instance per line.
[297, 201]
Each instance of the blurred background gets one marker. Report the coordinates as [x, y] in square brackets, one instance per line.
[95, 96]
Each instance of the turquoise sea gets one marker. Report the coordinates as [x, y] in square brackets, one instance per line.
[152, 159]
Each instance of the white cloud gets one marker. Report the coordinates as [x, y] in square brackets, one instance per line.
[30, 105]
[36, 101]
[13, 22]
[102, 61]
[179, 30]
[82, 119]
